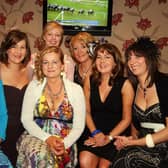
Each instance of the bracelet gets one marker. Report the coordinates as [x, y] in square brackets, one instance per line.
[110, 137]
[149, 141]
[95, 132]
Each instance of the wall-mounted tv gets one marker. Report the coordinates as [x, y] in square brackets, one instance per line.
[93, 16]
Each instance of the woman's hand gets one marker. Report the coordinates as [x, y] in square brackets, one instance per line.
[91, 141]
[100, 139]
[97, 141]
[122, 141]
[56, 145]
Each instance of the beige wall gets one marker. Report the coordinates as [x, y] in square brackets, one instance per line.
[27, 16]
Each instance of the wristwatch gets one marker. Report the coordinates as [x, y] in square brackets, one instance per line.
[110, 137]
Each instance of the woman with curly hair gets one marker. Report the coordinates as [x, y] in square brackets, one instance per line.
[52, 35]
[53, 115]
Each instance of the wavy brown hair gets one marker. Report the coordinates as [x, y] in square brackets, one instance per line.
[115, 53]
[39, 60]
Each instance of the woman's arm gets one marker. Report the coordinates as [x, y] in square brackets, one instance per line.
[32, 93]
[158, 137]
[127, 101]
[3, 114]
[99, 137]
[134, 131]
[89, 121]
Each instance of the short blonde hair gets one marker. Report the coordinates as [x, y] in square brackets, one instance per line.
[49, 26]
[82, 36]
[52, 25]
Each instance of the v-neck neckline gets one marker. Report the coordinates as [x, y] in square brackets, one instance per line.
[105, 100]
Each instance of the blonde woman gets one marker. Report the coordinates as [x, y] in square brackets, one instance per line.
[52, 35]
[53, 115]
[79, 47]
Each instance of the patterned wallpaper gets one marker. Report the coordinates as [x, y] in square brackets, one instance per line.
[25, 15]
[131, 18]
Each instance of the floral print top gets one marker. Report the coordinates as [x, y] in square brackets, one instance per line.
[57, 122]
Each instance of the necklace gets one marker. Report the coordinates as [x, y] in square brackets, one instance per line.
[84, 73]
[144, 90]
[54, 96]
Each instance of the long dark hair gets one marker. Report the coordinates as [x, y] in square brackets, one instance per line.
[144, 47]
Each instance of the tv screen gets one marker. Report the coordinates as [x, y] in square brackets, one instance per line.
[93, 16]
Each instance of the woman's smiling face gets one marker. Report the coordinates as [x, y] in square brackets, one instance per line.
[17, 52]
[137, 64]
[105, 62]
[52, 65]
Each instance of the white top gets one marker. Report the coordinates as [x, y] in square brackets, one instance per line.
[76, 98]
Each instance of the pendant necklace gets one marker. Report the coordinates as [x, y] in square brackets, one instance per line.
[144, 90]
[84, 73]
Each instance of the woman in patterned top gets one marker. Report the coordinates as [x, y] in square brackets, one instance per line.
[53, 114]
[148, 145]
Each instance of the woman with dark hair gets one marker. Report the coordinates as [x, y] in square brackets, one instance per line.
[148, 145]
[109, 98]
[15, 74]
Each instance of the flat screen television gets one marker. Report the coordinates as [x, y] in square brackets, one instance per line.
[93, 16]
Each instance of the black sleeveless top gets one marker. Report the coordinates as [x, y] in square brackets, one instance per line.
[106, 115]
[14, 99]
[77, 78]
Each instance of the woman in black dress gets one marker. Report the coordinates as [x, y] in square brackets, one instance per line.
[15, 74]
[80, 51]
[79, 47]
[109, 98]
[148, 145]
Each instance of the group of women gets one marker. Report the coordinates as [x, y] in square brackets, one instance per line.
[66, 111]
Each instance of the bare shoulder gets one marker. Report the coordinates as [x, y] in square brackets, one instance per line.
[127, 87]
[30, 72]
